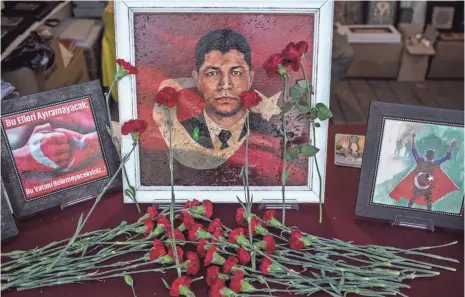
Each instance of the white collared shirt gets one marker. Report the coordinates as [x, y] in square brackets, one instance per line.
[214, 129]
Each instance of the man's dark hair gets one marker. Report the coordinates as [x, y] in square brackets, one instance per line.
[430, 154]
[222, 40]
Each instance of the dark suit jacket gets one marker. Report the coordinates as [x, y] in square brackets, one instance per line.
[257, 124]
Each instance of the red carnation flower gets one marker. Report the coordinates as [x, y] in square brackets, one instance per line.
[149, 227]
[167, 96]
[187, 220]
[126, 66]
[178, 250]
[253, 226]
[134, 126]
[216, 287]
[193, 232]
[240, 219]
[292, 54]
[234, 234]
[176, 287]
[201, 247]
[270, 244]
[192, 203]
[178, 235]
[214, 225]
[295, 241]
[194, 264]
[236, 281]
[269, 215]
[163, 221]
[152, 212]
[208, 206]
[209, 257]
[229, 264]
[265, 265]
[212, 274]
[243, 256]
[272, 64]
[217, 234]
[157, 251]
[249, 99]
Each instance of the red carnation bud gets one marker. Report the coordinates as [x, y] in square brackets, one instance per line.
[168, 97]
[157, 251]
[201, 247]
[250, 99]
[178, 250]
[197, 232]
[265, 265]
[243, 256]
[181, 286]
[240, 217]
[193, 265]
[126, 67]
[214, 225]
[149, 227]
[208, 206]
[192, 203]
[134, 126]
[270, 244]
[212, 274]
[237, 236]
[178, 235]
[272, 64]
[212, 257]
[229, 264]
[217, 288]
[236, 281]
[217, 235]
[152, 212]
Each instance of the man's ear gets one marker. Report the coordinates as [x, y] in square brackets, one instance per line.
[251, 75]
[195, 76]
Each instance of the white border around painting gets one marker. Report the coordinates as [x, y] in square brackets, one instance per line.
[322, 43]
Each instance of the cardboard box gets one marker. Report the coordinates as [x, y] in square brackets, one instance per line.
[416, 55]
[29, 82]
[448, 62]
[375, 60]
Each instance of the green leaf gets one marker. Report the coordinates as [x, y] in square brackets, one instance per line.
[132, 190]
[309, 150]
[302, 83]
[286, 108]
[302, 108]
[323, 112]
[317, 125]
[292, 153]
[128, 280]
[240, 202]
[196, 133]
[128, 193]
[166, 284]
[296, 94]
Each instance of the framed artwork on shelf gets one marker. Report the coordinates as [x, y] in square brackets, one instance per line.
[381, 12]
[172, 44]
[56, 149]
[413, 165]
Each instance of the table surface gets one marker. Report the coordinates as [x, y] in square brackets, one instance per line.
[338, 222]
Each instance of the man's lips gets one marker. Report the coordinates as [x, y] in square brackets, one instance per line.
[225, 99]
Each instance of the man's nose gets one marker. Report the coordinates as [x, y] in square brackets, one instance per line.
[225, 82]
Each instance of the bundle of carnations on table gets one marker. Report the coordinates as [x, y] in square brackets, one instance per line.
[287, 260]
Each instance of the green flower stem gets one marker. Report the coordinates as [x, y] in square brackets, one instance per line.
[309, 98]
[27, 286]
[97, 200]
[248, 198]
[112, 135]
[173, 244]
[284, 173]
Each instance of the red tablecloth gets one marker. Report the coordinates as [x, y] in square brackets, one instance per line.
[338, 222]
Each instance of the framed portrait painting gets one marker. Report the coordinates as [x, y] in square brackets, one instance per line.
[413, 165]
[55, 148]
[211, 52]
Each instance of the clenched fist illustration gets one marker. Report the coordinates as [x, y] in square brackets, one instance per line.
[46, 150]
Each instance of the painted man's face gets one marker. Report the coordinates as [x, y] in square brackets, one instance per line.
[221, 79]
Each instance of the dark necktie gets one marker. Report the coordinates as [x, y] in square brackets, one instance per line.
[224, 137]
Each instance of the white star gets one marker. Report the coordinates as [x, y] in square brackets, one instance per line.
[430, 178]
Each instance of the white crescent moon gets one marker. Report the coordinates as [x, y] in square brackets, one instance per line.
[415, 181]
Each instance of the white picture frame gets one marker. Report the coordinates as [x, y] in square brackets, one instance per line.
[321, 70]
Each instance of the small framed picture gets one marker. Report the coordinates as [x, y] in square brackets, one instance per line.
[349, 150]
[56, 148]
[381, 12]
[413, 165]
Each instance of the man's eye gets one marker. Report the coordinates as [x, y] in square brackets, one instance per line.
[237, 73]
[211, 73]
